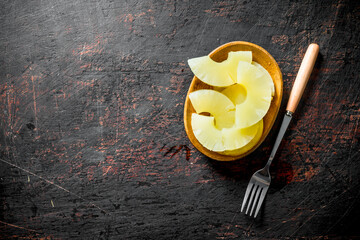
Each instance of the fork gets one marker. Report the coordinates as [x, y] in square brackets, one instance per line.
[261, 179]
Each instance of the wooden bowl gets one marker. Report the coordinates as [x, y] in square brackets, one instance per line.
[220, 54]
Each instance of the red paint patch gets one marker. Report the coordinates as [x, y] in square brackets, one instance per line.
[92, 48]
[280, 39]
[90, 173]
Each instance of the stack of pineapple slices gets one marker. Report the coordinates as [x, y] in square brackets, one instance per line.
[236, 111]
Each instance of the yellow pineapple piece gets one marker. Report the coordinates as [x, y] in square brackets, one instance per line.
[215, 103]
[258, 95]
[221, 74]
[206, 133]
[236, 93]
[235, 138]
[220, 140]
[267, 76]
[250, 145]
[233, 60]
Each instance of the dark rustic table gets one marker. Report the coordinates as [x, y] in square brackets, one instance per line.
[91, 119]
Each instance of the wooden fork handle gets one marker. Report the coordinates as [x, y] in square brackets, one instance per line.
[302, 77]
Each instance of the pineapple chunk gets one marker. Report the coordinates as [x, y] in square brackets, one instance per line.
[206, 133]
[235, 138]
[220, 140]
[221, 74]
[250, 145]
[267, 76]
[210, 72]
[215, 103]
[236, 93]
[258, 95]
[233, 60]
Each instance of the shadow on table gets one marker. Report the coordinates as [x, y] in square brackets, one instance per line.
[281, 171]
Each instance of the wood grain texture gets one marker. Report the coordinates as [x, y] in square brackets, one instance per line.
[92, 143]
[302, 77]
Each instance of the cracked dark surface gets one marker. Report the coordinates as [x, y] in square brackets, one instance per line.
[92, 140]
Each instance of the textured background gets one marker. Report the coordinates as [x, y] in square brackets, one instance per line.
[92, 143]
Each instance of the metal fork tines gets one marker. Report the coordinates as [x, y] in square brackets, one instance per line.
[256, 189]
[260, 181]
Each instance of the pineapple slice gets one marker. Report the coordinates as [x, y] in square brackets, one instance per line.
[234, 58]
[221, 74]
[236, 93]
[210, 72]
[206, 133]
[250, 145]
[235, 138]
[215, 103]
[221, 140]
[258, 95]
[267, 76]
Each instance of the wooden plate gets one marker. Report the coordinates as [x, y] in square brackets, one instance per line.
[220, 54]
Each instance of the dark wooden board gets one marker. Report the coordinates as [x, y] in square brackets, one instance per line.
[92, 143]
